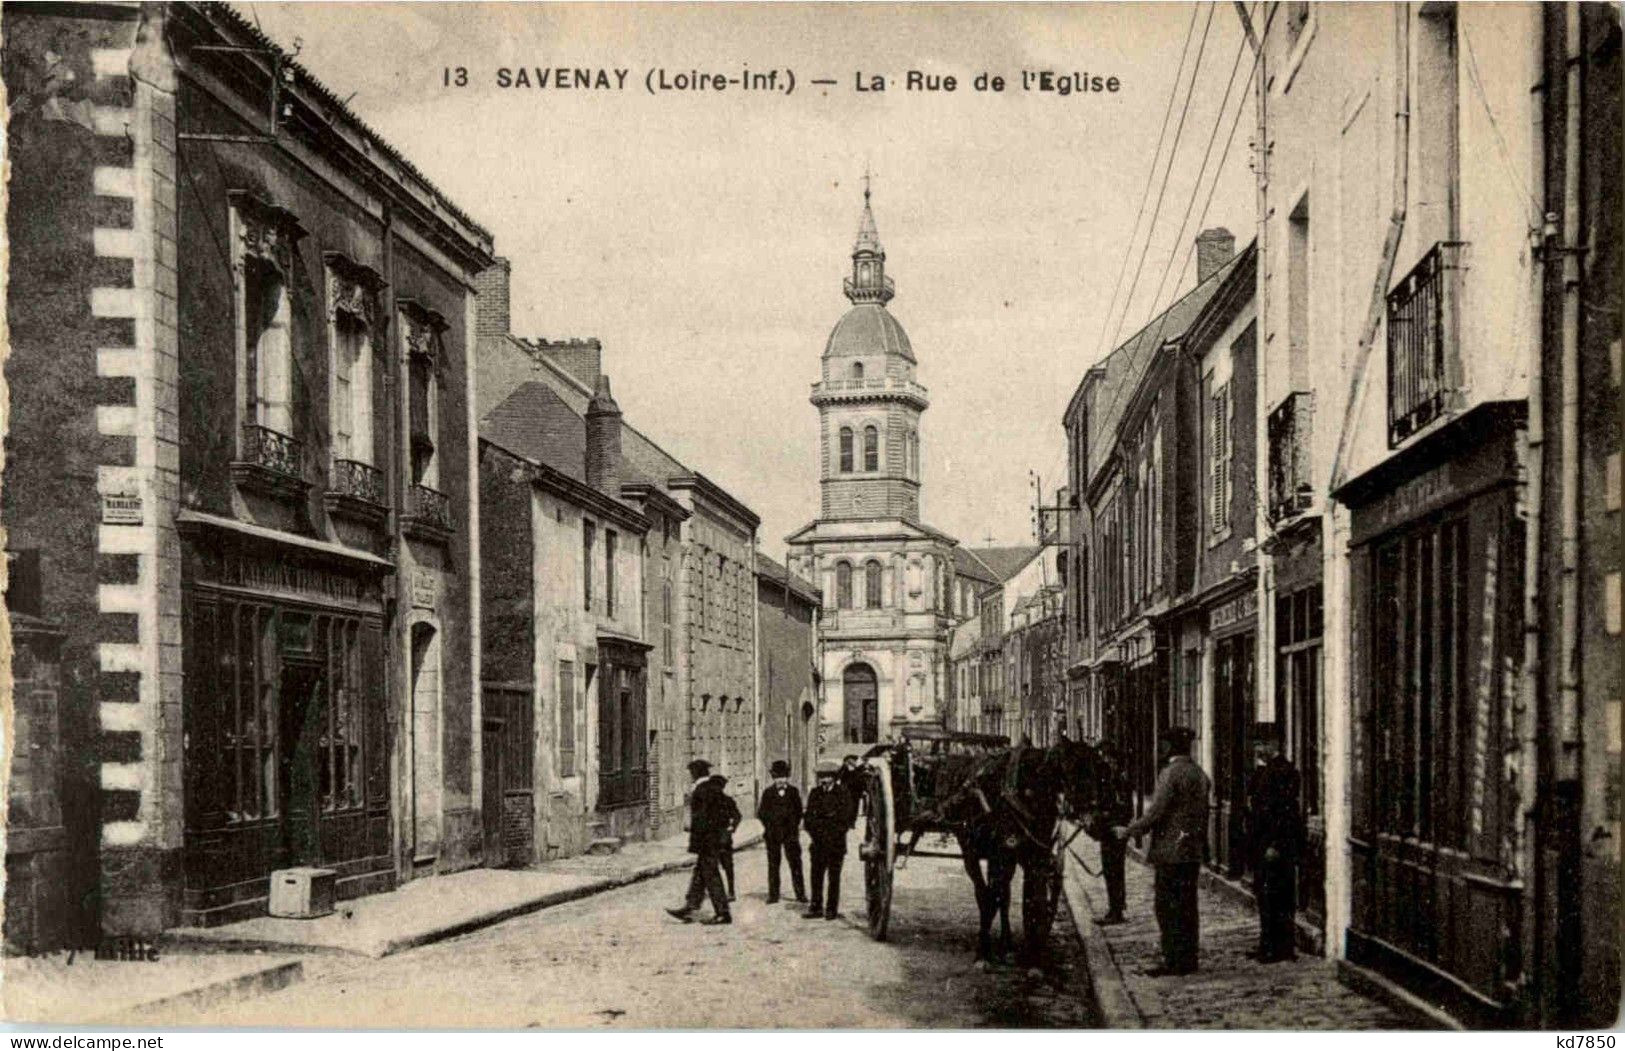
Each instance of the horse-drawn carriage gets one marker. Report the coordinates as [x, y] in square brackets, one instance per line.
[1001, 804]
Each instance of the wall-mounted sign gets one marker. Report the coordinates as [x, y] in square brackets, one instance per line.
[1239, 608]
[121, 508]
[425, 589]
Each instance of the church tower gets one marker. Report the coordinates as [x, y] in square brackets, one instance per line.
[884, 574]
[869, 403]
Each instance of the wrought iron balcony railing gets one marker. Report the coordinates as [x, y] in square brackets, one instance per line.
[1290, 428]
[357, 480]
[272, 450]
[1423, 350]
[428, 511]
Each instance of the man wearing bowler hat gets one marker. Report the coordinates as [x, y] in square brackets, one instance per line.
[1177, 821]
[708, 826]
[780, 814]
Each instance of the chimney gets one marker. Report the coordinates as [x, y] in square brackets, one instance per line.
[1214, 248]
[604, 440]
[493, 316]
[581, 358]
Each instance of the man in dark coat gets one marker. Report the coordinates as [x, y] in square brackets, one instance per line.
[780, 814]
[1115, 808]
[725, 847]
[1275, 823]
[1177, 821]
[708, 823]
[828, 818]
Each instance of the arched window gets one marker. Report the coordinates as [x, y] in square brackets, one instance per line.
[857, 370]
[846, 450]
[871, 449]
[871, 585]
[843, 585]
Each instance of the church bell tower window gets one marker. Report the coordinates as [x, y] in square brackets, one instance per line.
[846, 450]
[871, 449]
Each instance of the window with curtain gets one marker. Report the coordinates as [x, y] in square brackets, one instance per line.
[843, 585]
[871, 585]
[871, 449]
[267, 338]
[846, 450]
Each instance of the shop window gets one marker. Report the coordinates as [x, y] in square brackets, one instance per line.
[1297, 683]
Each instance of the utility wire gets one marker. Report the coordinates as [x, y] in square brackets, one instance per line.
[1145, 191]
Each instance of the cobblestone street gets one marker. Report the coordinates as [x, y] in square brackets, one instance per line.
[616, 959]
[1230, 991]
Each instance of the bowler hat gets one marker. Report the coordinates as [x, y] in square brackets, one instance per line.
[780, 768]
[699, 768]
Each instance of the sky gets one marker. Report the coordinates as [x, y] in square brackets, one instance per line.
[703, 236]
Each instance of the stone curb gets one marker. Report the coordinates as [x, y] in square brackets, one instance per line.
[214, 994]
[1114, 1005]
[562, 897]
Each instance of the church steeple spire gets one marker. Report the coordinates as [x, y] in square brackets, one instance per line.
[868, 283]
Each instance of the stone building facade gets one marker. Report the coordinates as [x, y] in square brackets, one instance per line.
[249, 409]
[787, 669]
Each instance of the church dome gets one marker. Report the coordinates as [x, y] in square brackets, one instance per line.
[868, 330]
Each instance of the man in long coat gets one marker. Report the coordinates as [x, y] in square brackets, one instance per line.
[708, 825]
[1177, 820]
[828, 818]
[1275, 821]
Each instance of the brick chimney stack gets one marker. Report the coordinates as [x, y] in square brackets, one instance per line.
[604, 440]
[1214, 248]
[493, 316]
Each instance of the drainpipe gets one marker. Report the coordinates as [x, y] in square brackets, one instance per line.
[1396, 227]
[1531, 731]
[1568, 708]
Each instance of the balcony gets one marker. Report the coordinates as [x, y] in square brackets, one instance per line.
[878, 388]
[880, 293]
[427, 514]
[356, 490]
[1291, 426]
[270, 463]
[1423, 349]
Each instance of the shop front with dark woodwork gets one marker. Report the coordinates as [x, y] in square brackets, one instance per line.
[286, 718]
[1436, 647]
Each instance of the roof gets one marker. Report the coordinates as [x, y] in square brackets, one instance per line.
[536, 423]
[1124, 367]
[1005, 562]
[966, 564]
[304, 78]
[769, 569]
[867, 329]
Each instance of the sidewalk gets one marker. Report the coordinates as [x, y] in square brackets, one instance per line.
[83, 990]
[1230, 991]
[439, 907]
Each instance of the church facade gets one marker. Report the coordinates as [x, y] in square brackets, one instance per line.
[887, 578]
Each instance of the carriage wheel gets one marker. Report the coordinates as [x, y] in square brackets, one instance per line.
[879, 846]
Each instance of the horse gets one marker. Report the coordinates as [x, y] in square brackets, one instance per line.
[1005, 815]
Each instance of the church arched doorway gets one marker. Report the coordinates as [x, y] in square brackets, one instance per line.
[860, 692]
